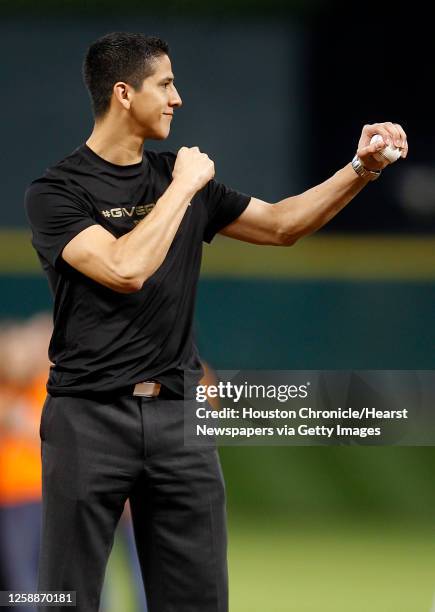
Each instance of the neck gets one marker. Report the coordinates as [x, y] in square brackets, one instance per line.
[114, 142]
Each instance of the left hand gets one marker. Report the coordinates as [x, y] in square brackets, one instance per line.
[392, 133]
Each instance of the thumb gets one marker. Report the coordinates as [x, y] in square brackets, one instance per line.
[372, 148]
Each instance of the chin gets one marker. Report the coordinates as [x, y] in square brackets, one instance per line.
[161, 135]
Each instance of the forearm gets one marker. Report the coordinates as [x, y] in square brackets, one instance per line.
[138, 254]
[301, 215]
[124, 264]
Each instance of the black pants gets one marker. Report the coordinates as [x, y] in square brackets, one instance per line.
[95, 455]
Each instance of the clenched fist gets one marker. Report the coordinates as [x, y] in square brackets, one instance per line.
[193, 168]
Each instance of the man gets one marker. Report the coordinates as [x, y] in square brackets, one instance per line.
[119, 232]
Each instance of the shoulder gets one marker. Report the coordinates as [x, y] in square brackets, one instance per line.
[57, 180]
[43, 188]
[64, 167]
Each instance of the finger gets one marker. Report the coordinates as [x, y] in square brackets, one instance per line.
[372, 130]
[399, 137]
[404, 141]
[395, 133]
[401, 131]
[363, 151]
[381, 129]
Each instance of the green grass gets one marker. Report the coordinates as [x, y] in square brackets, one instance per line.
[340, 568]
[313, 567]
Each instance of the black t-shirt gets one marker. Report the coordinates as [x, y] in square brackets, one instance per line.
[104, 340]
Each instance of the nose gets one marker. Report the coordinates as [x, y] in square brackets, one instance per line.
[175, 101]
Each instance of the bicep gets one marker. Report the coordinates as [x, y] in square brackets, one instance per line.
[258, 224]
[91, 252]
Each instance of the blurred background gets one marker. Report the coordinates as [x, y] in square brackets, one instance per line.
[277, 93]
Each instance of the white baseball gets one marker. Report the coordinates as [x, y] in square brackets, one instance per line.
[389, 153]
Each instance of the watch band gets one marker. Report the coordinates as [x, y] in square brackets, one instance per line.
[362, 171]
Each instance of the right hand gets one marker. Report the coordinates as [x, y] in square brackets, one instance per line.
[391, 133]
[193, 168]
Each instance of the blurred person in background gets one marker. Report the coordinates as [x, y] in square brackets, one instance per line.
[119, 233]
[23, 373]
[24, 366]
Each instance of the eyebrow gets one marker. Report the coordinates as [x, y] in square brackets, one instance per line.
[168, 79]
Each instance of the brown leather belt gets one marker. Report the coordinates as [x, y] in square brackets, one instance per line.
[148, 388]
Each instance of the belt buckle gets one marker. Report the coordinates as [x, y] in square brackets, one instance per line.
[148, 388]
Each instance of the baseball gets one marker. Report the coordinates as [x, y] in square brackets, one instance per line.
[389, 153]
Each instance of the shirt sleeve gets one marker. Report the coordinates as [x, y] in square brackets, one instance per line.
[223, 205]
[55, 217]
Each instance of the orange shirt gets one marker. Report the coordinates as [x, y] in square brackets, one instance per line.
[20, 456]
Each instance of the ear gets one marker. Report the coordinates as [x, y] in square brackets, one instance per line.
[122, 93]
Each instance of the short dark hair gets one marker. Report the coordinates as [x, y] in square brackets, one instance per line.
[119, 56]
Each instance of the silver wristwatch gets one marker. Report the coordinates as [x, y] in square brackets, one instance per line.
[362, 171]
